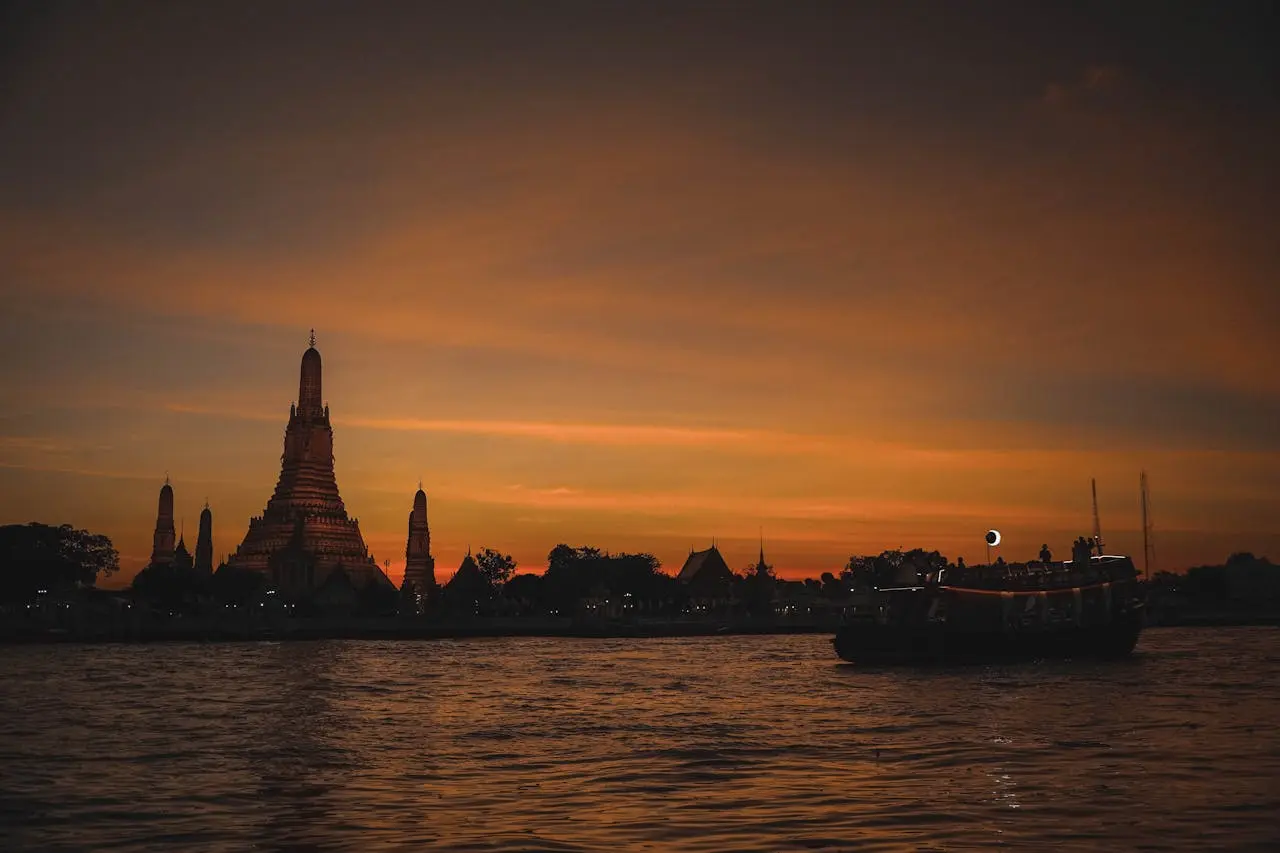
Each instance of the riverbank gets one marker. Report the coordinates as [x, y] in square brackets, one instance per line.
[392, 628]
[386, 629]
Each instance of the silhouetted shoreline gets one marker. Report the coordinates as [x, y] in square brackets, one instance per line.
[397, 629]
[389, 629]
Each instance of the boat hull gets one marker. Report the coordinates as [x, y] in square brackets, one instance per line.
[935, 644]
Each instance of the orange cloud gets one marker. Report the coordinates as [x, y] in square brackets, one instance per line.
[665, 322]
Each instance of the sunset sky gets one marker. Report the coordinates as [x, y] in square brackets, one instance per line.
[638, 275]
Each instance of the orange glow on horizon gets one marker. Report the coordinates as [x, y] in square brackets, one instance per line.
[639, 303]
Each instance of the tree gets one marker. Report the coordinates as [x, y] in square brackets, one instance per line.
[571, 572]
[892, 567]
[525, 588]
[1207, 583]
[497, 568]
[832, 587]
[576, 573]
[170, 586]
[925, 562]
[860, 572]
[36, 557]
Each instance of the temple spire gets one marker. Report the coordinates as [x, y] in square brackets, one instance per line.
[204, 541]
[419, 565]
[162, 542]
[313, 338]
[310, 399]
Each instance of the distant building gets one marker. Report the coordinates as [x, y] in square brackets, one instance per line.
[707, 578]
[467, 589]
[304, 534]
[182, 557]
[761, 568]
[419, 565]
[336, 594]
[204, 542]
[162, 542]
[164, 553]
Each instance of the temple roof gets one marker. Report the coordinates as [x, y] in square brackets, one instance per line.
[468, 582]
[699, 561]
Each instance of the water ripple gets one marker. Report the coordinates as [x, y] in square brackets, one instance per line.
[706, 744]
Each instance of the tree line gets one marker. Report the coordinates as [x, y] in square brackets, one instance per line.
[38, 559]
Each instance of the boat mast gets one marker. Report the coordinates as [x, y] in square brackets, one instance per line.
[1148, 546]
[1097, 527]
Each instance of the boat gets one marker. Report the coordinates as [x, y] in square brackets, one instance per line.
[1086, 608]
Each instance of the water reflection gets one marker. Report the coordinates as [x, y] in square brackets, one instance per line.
[764, 743]
[291, 745]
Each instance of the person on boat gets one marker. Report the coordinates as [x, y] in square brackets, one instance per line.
[1046, 556]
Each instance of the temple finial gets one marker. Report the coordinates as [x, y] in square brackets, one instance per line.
[419, 484]
[313, 337]
[166, 478]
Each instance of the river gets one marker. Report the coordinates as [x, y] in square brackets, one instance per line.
[759, 743]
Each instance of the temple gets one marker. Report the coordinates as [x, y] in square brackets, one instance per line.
[467, 588]
[707, 577]
[165, 554]
[204, 542]
[162, 545]
[762, 568]
[181, 556]
[707, 569]
[419, 565]
[304, 533]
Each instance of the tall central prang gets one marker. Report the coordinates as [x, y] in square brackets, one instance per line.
[304, 536]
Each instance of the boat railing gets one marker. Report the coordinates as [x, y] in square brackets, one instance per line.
[1036, 575]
